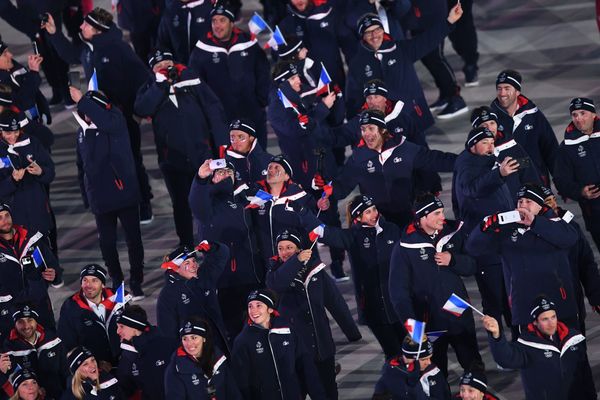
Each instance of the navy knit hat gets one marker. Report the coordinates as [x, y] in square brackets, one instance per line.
[222, 9]
[359, 204]
[263, 295]
[94, 20]
[5, 207]
[243, 125]
[540, 305]
[283, 161]
[291, 235]
[20, 376]
[582, 103]
[25, 311]
[287, 51]
[374, 117]
[367, 21]
[532, 192]
[98, 98]
[93, 270]
[76, 357]
[482, 114]
[193, 327]
[475, 379]
[375, 86]
[9, 121]
[6, 98]
[134, 317]
[158, 56]
[285, 70]
[477, 135]
[410, 348]
[510, 77]
[426, 204]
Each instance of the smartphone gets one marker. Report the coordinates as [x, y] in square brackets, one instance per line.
[524, 162]
[509, 217]
[218, 164]
[36, 50]
[75, 79]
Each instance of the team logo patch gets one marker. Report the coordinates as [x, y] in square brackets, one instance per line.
[391, 62]
[370, 167]
[548, 354]
[368, 71]
[195, 380]
[581, 151]
[215, 58]
[366, 243]
[423, 254]
[528, 127]
[397, 160]
[259, 348]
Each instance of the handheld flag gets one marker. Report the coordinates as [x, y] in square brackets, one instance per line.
[38, 258]
[275, 40]
[327, 190]
[93, 82]
[316, 233]
[456, 305]
[175, 263]
[120, 295]
[5, 162]
[259, 199]
[416, 329]
[257, 24]
[324, 81]
[286, 102]
[434, 335]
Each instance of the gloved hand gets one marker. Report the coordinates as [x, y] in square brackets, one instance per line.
[490, 224]
[204, 247]
[317, 182]
[303, 119]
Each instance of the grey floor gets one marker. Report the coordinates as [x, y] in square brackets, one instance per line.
[554, 44]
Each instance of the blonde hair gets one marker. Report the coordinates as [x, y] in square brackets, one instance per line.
[17, 397]
[77, 383]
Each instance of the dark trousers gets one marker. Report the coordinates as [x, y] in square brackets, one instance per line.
[464, 35]
[233, 307]
[326, 371]
[442, 72]
[178, 185]
[490, 281]
[331, 217]
[135, 139]
[106, 224]
[143, 42]
[464, 345]
[596, 237]
[390, 337]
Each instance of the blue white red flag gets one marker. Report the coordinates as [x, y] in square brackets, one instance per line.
[324, 81]
[93, 82]
[257, 24]
[416, 329]
[276, 39]
[259, 199]
[456, 305]
[38, 258]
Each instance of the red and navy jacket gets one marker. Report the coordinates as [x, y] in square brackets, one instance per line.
[186, 380]
[535, 260]
[305, 293]
[530, 128]
[181, 298]
[238, 73]
[78, 325]
[47, 358]
[24, 283]
[548, 364]
[219, 208]
[404, 381]
[188, 119]
[419, 287]
[248, 167]
[370, 250]
[182, 25]
[578, 165]
[26, 94]
[274, 363]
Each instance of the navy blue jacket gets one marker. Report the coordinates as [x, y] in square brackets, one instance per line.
[387, 177]
[535, 261]
[370, 250]
[547, 365]
[510, 148]
[144, 362]
[269, 364]
[28, 198]
[419, 287]
[238, 74]
[182, 25]
[109, 389]
[396, 69]
[47, 358]
[78, 325]
[22, 282]
[249, 167]
[119, 70]
[322, 33]
[578, 165]
[185, 379]
[188, 124]
[104, 160]
[305, 292]
[26, 94]
[293, 209]
[530, 128]
[17, 19]
[224, 219]
[405, 382]
[181, 298]
[297, 143]
[479, 188]
[139, 16]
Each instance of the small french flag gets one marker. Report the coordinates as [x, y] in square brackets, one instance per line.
[416, 329]
[38, 258]
[456, 305]
[93, 82]
[316, 233]
[257, 24]
[275, 40]
[175, 263]
[327, 190]
[286, 102]
[120, 295]
[259, 199]
[324, 81]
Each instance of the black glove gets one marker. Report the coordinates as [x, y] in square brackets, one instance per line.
[490, 224]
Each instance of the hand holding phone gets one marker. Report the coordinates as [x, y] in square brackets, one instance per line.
[509, 217]
[75, 79]
[218, 164]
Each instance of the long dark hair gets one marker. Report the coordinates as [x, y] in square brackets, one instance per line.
[207, 358]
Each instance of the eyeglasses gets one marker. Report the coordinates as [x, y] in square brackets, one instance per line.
[224, 172]
[373, 32]
[240, 139]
